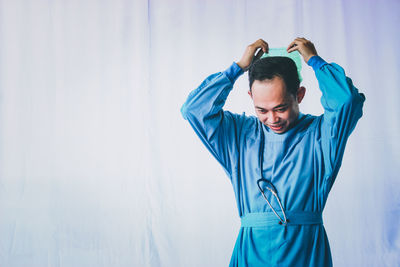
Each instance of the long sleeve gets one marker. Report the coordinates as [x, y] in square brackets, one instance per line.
[342, 105]
[217, 129]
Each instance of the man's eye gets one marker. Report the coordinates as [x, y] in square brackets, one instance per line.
[261, 111]
[281, 109]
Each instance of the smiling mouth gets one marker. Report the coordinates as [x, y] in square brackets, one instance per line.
[276, 127]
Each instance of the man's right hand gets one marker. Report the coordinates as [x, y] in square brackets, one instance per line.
[260, 46]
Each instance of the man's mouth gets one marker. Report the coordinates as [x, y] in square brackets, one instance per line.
[276, 127]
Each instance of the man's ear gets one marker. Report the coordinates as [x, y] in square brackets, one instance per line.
[300, 94]
[250, 94]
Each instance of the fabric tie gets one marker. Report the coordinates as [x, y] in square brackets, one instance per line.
[264, 219]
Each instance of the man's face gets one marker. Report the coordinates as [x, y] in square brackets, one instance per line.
[275, 107]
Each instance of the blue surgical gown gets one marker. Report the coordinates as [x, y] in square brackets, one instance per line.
[302, 165]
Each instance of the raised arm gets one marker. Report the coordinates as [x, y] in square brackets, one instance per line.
[341, 101]
[219, 130]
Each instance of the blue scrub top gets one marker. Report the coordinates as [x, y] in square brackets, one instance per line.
[302, 165]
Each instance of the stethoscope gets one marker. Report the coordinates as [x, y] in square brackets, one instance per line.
[269, 186]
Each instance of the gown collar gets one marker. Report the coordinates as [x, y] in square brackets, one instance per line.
[272, 136]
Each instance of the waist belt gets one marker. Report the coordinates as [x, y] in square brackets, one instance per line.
[264, 219]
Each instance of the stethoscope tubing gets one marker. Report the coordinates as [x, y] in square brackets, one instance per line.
[270, 186]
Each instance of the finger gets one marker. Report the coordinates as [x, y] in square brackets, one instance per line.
[260, 43]
[292, 45]
[301, 39]
[294, 48]
[259, 54]
[265, 46]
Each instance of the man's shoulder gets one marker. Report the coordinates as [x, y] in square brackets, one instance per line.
[242, 120]
[310, 118]
[308, 122]
[244, 125]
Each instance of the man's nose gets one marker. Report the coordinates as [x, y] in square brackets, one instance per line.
[273, 118]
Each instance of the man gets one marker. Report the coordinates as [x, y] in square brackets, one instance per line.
[283, 163]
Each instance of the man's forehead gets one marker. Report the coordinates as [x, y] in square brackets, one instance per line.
[271, 98]
[276, 83]
[270, 90]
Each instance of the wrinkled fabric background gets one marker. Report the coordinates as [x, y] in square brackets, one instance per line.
[97, 166]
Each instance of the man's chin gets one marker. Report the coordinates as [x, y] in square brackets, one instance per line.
[279, 132]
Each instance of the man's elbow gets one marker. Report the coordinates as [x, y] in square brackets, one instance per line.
[188, 110]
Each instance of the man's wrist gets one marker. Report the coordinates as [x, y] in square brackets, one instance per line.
[316, 62]
[233, 72]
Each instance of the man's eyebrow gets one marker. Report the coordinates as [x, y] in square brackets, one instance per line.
[276, 107]
[281, 106]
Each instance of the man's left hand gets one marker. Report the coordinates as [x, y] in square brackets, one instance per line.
[305, 47]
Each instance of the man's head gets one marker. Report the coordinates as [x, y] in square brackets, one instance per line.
[276, 92]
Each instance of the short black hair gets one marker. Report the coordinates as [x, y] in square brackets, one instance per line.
[271, 67]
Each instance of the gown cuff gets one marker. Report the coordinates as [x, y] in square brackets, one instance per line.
[233, 72]
[316, 62]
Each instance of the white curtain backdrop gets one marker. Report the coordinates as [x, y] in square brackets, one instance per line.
[97, 166]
